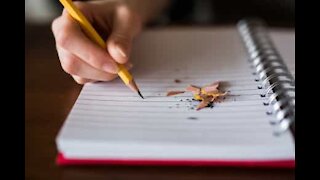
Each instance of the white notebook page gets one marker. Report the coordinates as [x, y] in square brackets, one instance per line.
[109, 121]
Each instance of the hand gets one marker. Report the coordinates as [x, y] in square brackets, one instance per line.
[82, 58]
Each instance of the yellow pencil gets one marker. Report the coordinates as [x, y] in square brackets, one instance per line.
[92, 33]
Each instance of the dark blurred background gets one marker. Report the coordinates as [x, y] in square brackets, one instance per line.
[277, 13]
[191, 12]
[219, 12]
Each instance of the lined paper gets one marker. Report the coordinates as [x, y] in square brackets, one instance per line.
[110, 121]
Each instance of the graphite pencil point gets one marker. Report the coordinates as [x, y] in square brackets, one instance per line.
[140, 94]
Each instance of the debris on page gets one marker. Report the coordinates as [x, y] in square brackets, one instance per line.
[207, 95]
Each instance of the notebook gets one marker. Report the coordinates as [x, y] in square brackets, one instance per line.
[109, 124]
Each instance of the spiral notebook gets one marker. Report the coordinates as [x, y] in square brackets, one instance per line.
[251, 127]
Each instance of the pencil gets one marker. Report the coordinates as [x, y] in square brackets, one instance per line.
[93, 35]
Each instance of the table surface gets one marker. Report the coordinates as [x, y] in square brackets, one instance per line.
[50, 94]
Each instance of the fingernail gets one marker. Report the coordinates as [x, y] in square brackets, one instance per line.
[110, 68]
[121, 51]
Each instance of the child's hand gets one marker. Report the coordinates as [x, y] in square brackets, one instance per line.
[83, 59]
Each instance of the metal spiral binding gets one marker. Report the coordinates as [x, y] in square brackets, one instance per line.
[272, 71]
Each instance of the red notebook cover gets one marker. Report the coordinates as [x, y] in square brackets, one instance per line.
[288, 164]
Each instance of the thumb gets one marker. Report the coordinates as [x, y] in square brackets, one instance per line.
[119, 47]
[125, 27]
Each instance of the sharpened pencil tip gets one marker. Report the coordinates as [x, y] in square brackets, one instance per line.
[140, 94]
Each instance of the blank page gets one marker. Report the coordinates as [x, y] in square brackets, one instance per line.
[109, 121]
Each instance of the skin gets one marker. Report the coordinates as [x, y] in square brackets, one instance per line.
[117, 21]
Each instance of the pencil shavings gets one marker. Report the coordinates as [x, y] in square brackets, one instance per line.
[172, 93]
[193, 89]
[207, 95]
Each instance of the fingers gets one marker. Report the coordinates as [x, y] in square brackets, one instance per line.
[82, 58]
[70, 37]
[125, 26]
[81, 80]
[75, 66]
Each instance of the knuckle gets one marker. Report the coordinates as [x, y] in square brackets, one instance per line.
[62, 38]
[55, 24]
[79, 80]
[60, 30]
[69, 65]
[123, 9]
